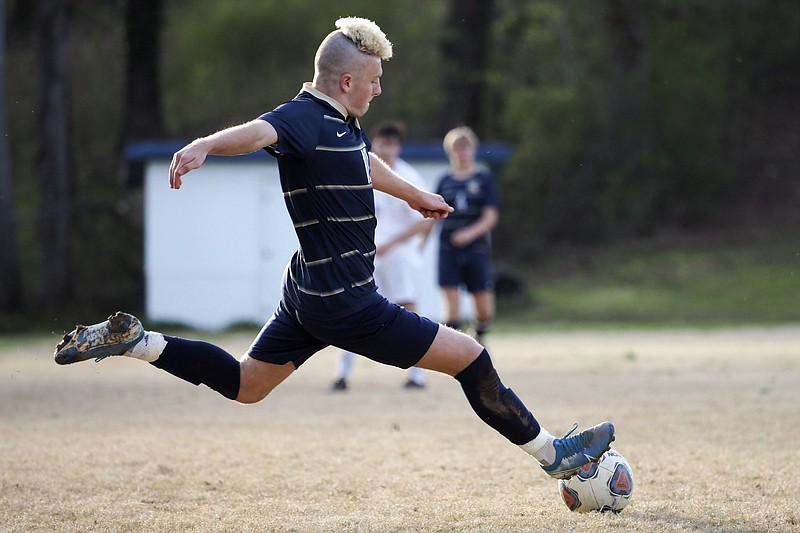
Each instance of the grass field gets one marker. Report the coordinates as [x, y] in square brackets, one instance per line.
[709, 281]
[709, 421]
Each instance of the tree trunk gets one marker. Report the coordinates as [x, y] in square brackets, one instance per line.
[143, 118]
[627, 53]
[10, 279]
[465, 51]
[55, 206]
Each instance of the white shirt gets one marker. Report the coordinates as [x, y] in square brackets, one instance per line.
[394, 215]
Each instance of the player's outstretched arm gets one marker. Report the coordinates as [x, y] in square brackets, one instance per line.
[236, 140]
[384, 179]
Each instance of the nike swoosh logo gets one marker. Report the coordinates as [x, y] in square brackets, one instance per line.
[338, 134]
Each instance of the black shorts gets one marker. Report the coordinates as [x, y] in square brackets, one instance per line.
[463, 267]
[383, 332]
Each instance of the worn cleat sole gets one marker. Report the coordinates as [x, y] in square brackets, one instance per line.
[115, 336]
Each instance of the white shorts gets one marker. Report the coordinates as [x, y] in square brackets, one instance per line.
[397, 275]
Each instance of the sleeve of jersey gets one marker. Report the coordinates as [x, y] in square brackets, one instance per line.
[297, 125]
[492, 197]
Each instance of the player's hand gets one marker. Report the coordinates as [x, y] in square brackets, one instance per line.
[431, 205]
[461, 238]
[186, 159]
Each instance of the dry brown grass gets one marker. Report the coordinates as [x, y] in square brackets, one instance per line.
[708, 420]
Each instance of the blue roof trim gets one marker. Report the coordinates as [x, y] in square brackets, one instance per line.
[146, 150]
[493, 152]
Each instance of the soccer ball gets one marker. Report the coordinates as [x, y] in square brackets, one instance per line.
[603, 486]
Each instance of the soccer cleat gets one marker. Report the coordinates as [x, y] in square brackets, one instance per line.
[339, 385]
[411, 385]
[585, 447]
[115, 336]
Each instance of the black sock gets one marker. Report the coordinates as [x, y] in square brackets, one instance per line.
[454, 324]
[482, 327]
[495, 404]
[201, 362]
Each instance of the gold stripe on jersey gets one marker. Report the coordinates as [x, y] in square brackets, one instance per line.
[343, 187]
[340, 148]
[305, 223]
[350, 219]
[289, 194]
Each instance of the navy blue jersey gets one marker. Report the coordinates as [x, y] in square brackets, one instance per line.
[323, 158]
[468, 197]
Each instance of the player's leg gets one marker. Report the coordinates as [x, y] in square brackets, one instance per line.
[397, 276]
[452, 308]
[258, 378]
[281, 347]
[200, 362]
[123, 334]
[479, 279]
[449, 278]
[416, 378]
[462, 357]
[343, 371]
[484, 313]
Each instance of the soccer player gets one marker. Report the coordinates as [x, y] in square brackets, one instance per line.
[327, 174]
[398, 244]
[465, 248]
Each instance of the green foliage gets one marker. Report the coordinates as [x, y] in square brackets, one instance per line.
[626, 118]
[682, 284]
[687, 83]
[231, 61]
[551, 111]
[623, 122]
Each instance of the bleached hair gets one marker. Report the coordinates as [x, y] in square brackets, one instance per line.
[461, 133]
[347, 47]
[366, 35]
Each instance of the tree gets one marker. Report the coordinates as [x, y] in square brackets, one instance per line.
[11, 287]
[465, 50]
[631, 190]
[55, 170]
[143, 118]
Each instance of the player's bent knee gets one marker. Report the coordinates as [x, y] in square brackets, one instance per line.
[258, 379]
[451, 352]
[251, 391]
[250, 397]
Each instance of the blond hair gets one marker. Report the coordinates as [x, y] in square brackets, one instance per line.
[366, 35]
[344, 48]
[462, 133]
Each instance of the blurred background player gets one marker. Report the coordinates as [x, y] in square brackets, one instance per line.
[398, 240]
[465, 238]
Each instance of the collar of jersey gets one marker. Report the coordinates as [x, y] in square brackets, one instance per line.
[324, 97]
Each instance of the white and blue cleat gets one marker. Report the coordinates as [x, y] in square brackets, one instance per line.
[573, 452]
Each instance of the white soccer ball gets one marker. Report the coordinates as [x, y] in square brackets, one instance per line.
[603, 486]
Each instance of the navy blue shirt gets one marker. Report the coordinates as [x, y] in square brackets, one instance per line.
[323, 159]
[468, 197]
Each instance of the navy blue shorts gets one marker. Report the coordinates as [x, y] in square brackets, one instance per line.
[463, 267]
[383, 332]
